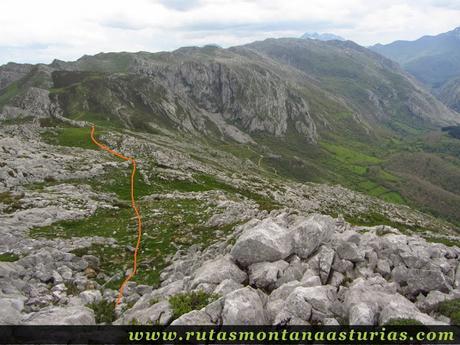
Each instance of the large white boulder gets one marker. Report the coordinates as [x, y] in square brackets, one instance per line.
[227, 286]
[421, 280]
[158, 313]
[362, 314]
[297, 305]
[265, 274]
[381, 298]
[325, 260]
[404, 309]
[10, 311]
[350, 251]
[74, 315]
[244, 307]
[321, 298]
[308, 234]
[267, 241]
[159, 294]
[218, 270]
[195, 317]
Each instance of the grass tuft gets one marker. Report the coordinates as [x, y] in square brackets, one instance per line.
[71, 137]
[403, 322]
[8, 257]
[451, 309]
[104, 311]
[184, 303]
[71, 289]
[12, 202]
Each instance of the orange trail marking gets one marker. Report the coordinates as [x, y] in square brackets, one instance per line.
[133, 205]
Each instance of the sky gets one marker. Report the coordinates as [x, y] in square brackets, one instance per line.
[39, 31]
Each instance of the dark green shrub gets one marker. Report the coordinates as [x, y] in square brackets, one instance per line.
[403, 322]
[184, 303]
[451, 309]
[9, 257]
[103, 311]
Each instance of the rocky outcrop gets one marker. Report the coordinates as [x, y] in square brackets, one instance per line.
[220, 93]
[267, 241]
[265, 274]
[358, 277]
[11, 310]
[378, 300]
[195, 317]
[61, 316]
[216, 271]
[12, 72]
[159, 313]
[270, 241]
[34, 102]
[244, 307]
[310, 233]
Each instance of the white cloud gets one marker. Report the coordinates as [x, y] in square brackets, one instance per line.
[38, 31]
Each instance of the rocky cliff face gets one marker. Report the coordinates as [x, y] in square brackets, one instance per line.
[12, 72]
[449, 94]
[238, 91]
[198, 97]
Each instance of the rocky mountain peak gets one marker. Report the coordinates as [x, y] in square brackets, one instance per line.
[322, 36]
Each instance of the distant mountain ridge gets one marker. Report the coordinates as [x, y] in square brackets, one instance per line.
[274, 86]
[434, 60]
[322, 36]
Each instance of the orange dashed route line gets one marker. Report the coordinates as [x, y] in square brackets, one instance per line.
[133, 205]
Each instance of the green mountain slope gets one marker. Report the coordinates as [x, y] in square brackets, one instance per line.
[307, 110]
[374, 87]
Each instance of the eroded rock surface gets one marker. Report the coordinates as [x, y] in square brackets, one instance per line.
[358, 277]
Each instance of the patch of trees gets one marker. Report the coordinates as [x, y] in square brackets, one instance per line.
[453, 131]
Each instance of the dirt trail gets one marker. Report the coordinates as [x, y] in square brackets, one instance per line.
[133, 205]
